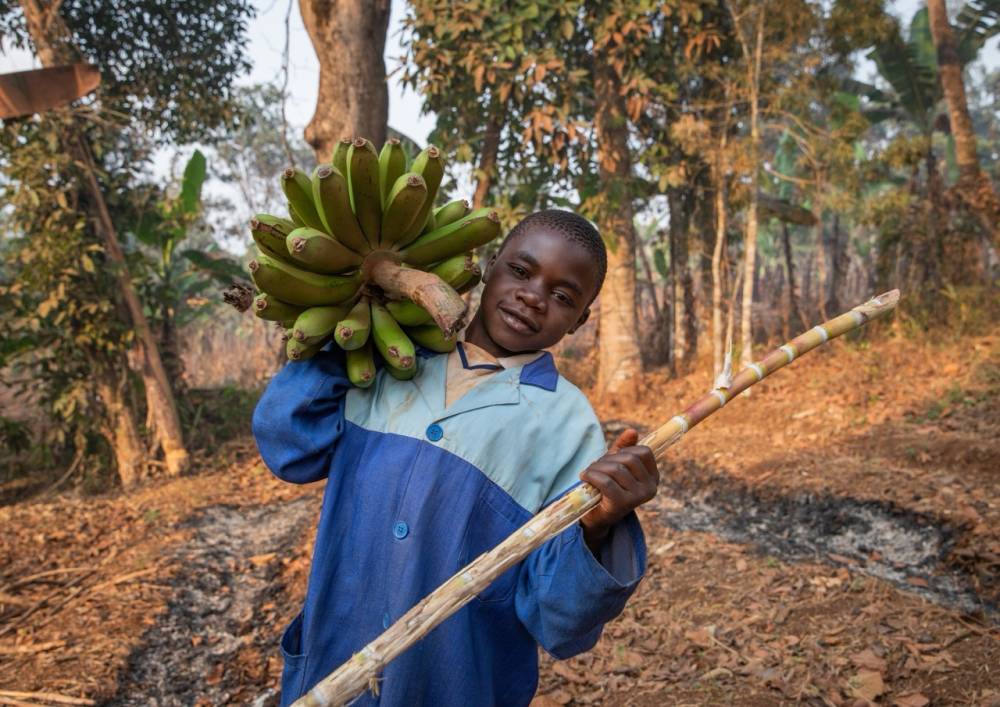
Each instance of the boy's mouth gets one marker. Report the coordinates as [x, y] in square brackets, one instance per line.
[517, 321]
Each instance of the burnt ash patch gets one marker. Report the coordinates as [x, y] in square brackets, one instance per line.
[880, 539]
[214, 611]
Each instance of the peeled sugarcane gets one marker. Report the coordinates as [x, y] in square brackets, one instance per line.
[361, 671]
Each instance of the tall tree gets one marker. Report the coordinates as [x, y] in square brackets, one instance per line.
[620, 362]
[146, 52]
[749, 25]
[54, 45]
[975, 186]
[349, 39]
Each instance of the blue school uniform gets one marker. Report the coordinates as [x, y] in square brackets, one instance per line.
[414, 491]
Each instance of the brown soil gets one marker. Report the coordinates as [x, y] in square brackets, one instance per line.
[181, 589]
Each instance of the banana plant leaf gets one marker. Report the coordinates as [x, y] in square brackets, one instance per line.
[222, 269]
[976, 22]
[194, 178]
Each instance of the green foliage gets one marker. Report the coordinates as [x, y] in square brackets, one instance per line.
[170, 66]
[167, 71]
[57, 322]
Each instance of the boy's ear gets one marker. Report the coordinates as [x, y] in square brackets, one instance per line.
[489, 266]
[584, 316]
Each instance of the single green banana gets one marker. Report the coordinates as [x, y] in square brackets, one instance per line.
[469, 279]
[294, 217]
[352, 331]
[476, 229]
[272, 309]
[296, 286]
[320, 253]
[298, 351]
[450, 213]
[430, 224]
[362, 179]
[429, 165]
[431, 337]
[391, 341]
[339, 158]
[454, 269]
[404, 203]
[403, 374]
[391, 166]
[317, 323]
[361, 365]
[333, 202]
[269, 234]
[298, 190]
[408, 313]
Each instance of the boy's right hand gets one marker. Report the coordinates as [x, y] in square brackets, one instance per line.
[627, 476]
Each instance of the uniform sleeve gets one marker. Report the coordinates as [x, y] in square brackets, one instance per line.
[300, 418]
[565, 594]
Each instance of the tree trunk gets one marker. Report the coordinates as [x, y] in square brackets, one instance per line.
[349, 39]
[120, 428]
[720, 242]
[821, 279]
[750, 247]
[752, 61]
[681, 275]
[620, 363]
[54, 46]
[793, 303]
[488, 158]
[975, 188]
[838, 263]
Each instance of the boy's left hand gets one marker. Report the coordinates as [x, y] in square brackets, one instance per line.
[627, 477]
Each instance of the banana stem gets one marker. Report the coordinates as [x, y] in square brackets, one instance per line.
[425, 289]
[361, 671]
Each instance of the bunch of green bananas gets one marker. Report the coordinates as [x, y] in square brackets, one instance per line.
[366, 260]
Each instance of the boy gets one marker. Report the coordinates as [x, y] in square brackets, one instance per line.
[425, 475]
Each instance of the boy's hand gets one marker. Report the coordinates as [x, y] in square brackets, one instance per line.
[627, 477]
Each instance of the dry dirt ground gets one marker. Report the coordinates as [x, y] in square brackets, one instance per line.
[833, 540]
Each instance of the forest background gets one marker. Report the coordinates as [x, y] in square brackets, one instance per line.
[755, 168]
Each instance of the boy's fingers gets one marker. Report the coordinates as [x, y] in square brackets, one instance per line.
[645, 454]
[627, 438]
[606, 484]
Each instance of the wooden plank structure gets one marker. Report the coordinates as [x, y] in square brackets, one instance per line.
[362, 670]
[23, 93]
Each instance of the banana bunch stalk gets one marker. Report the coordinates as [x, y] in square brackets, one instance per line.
[365, 260]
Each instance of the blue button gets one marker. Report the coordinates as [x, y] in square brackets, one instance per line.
[400, 530]
[434, 433]
[385, 620]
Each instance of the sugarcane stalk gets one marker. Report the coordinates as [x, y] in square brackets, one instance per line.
[362, 670]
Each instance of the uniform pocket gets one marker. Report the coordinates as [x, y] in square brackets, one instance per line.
[490, 524]
[293, 673]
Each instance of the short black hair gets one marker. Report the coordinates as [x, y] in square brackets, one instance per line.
[574, 227]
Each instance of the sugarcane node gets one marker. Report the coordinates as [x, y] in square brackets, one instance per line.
[324, 171]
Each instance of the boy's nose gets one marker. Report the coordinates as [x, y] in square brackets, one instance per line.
[531, 298]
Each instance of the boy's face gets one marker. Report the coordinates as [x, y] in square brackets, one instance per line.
[538, 289]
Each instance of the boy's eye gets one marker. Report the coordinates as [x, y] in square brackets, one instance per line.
[518, 270]
[564, 298]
